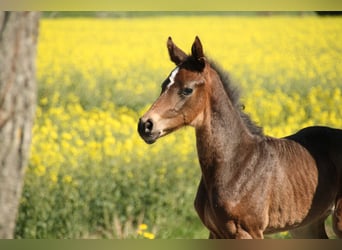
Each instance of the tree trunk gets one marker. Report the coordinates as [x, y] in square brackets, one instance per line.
[18, 40]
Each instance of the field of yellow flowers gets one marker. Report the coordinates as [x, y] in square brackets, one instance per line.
[91, 176]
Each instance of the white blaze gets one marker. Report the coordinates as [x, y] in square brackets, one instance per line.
[172, 77]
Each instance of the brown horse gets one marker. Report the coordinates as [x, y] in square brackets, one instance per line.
[251, 184]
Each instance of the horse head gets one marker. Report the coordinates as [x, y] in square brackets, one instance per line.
[183, 96]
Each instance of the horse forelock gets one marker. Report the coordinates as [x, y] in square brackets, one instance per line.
[191, 63]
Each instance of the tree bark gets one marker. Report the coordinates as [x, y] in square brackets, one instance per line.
[18, 42]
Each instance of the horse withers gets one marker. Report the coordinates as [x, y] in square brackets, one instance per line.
[251, 184]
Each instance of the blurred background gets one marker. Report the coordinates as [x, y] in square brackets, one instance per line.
[89, 173]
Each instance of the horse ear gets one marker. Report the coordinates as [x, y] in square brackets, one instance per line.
[197, 51]
[176, 54]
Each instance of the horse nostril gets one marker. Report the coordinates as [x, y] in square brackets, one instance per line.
[148, 126]
[145, 127]
[145, 130]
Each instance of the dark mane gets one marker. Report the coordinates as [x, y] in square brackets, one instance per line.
[232, 91]
[234, 95]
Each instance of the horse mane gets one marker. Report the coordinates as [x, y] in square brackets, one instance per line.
[191, 63]
[233, 93]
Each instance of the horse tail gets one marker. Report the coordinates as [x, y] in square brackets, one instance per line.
[335, 150]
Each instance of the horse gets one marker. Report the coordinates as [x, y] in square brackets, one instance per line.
[251, 184]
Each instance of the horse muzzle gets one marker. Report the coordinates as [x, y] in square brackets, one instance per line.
[146, 131]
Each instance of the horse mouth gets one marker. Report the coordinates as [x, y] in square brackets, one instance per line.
[151, 135]
[150, 139]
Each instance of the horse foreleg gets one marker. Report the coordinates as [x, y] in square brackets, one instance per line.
[237, 231]
[315, 230]
[211, 236]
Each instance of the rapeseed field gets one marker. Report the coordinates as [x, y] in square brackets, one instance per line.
[91, 176]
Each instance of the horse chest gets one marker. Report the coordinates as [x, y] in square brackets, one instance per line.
[227, 215]
[213, 216]
[206, 211]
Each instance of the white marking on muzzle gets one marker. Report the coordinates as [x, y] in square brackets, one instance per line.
[172, 77]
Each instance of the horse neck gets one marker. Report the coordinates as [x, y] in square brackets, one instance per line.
[223, 135]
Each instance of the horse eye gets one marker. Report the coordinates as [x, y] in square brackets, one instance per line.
[186, 91]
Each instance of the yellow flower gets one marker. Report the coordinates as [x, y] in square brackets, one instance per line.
[142, 231]
[40, 170]
[44, 101]
[148, 235]
[67, 179]
[53, 177]
[66, 136]
[142, 227]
